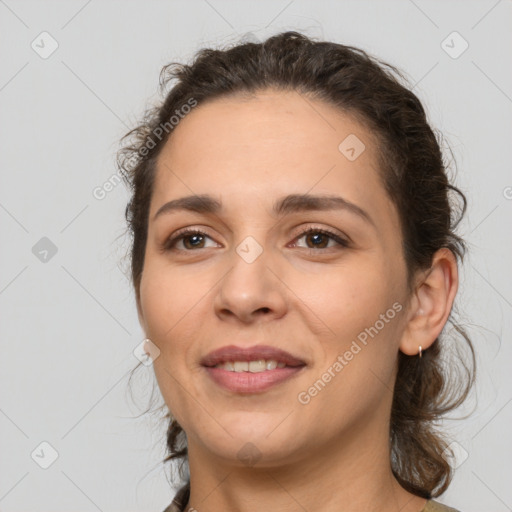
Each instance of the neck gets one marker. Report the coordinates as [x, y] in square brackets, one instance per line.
[352, 473]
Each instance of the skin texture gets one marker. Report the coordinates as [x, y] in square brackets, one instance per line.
[249, 152]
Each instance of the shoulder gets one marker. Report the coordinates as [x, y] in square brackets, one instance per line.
[435, 506]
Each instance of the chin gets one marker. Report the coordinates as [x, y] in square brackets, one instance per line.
[254, 447]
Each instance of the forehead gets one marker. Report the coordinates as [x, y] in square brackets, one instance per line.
[269, 145]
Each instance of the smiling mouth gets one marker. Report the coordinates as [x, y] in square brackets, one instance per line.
[251, 369]
[256, 366]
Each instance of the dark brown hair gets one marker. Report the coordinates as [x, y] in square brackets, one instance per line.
[413, 173]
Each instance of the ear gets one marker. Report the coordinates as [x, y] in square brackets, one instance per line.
[431, 303]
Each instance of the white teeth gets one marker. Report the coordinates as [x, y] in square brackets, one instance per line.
[271, 364]
[241, 366]
[257, 366]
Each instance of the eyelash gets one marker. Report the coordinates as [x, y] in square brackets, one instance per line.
[171, 242]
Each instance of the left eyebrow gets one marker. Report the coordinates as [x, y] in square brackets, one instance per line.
[304, 202]
[289, 204]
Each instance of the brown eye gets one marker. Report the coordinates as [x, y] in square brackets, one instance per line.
[191, 239]
[320, 238]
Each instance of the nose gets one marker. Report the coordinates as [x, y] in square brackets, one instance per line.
[251, 291]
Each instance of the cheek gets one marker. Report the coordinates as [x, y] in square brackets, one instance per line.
[344, 298]
[355, 317]
[170, 301]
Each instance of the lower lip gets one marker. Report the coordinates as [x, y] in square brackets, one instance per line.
[248, 382]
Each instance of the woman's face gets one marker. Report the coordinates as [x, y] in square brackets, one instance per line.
[336, 303]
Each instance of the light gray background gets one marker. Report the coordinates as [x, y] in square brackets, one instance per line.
[69, 325]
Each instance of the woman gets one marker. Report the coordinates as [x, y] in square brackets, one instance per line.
[294, 262]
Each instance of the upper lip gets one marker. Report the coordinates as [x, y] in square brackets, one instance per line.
[234, 353]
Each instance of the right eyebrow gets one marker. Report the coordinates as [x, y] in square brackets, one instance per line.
[198, 203]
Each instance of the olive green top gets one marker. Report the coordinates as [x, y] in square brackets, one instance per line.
[181, 499]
